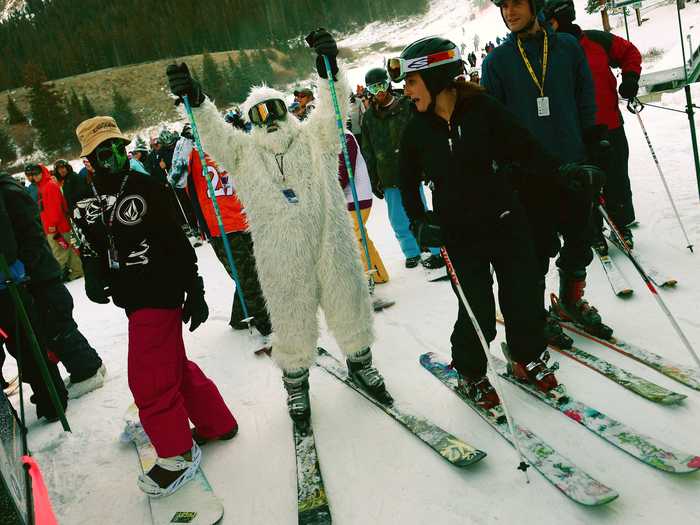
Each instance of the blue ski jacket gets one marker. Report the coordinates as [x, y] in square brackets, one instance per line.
[568, 85]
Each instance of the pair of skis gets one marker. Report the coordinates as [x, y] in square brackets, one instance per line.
[562, 473]
[619, 283]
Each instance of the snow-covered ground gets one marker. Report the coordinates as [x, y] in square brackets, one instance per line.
[375, 471]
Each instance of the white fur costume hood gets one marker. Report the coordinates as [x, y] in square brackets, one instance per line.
[306, 253]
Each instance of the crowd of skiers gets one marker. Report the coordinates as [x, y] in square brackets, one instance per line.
[515, 164]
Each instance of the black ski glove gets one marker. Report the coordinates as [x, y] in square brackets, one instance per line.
[598, 148]
[427, 231]
[324, 44]
[181, 83]
[96, 286]
[195, 307]
[582, 179]
[629, 87]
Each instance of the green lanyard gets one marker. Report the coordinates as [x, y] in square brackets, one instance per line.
[539, 85]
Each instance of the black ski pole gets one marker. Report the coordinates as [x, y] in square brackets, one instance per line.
[524, 465]
[650, 285]
[635, 106]
[33, 343]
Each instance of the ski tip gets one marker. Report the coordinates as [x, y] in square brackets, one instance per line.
[469, 460]
[671, 283]
[694, 463]
[427, 358]
[627, 292]
[315, 516]
[673, 399]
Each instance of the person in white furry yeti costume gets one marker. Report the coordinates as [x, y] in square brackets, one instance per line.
[285, 172]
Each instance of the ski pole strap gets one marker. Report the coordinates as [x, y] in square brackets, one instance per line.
[634, 105]
[215, 204]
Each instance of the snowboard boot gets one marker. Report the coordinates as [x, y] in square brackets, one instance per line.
[571, 306]
[169, 474]
[412, 262]
[202, 440]
[296, 383]
[80, 388]
[554, 334]
[364, 375]
[538, 374]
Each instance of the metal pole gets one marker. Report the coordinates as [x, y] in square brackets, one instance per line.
[627, 29]
[693, 134]
[680, 29]
[489, 359]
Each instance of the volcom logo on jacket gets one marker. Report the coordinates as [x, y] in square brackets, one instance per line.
[131, 210]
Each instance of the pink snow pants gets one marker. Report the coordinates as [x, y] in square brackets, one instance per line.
[168, 388]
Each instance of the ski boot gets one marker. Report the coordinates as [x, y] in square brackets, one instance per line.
[364, 375]
[169, 474]
[482, 394]
[538, 374]
[297, 385]
[432, 262]
[571, 306]
[554, 334]
[626, 235]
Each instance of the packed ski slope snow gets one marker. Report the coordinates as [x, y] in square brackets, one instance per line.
[375, 471]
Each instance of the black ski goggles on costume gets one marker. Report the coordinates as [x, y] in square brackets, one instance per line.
[378, 87]
[267, 111]
[398, 68]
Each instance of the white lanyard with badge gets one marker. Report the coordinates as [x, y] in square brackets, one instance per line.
[542, 101]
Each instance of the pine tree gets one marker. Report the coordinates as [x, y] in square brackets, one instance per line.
[88, 110]
[213, 80]
[263, 68]
[8, 151]
[122, 112]
[75, 109]
[49, 116]
[246, 76]
[14, 114]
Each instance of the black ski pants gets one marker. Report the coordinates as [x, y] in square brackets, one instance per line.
[55, 310]
[19, 347]
[243, 256]
[510, 250]
[617, 190]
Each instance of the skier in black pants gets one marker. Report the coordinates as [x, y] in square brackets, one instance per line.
[476, 214]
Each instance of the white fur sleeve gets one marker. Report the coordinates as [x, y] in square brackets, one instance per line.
[219, 139]
[322, 122]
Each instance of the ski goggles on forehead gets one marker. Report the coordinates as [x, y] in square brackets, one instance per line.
[398, 68]
[267, 111]
[378, 87]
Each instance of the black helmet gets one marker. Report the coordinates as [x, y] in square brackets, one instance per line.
[32, 168]
[562, 10]
[375, 75]
[535, 5]
[436, 59]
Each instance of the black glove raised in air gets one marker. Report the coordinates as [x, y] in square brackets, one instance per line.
[182, 84]
[324, 44]
[629, 87]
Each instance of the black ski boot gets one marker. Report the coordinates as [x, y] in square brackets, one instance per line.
[432, 262]
[599, 244]
[364, 375]
[554, 334]
[296, 383]
[572, 307]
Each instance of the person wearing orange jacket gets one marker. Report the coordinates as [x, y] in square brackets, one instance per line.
[236, 229]
[605, 51]
[54, 214]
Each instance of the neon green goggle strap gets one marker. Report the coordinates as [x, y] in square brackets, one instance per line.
[398, 68]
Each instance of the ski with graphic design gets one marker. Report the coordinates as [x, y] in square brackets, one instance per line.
[657, 276]
[618, 282]
[686, 375]
[646, 449]
[312, 503]
[194, 503]
[622, 377]
[559, 471]
[450, 447]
